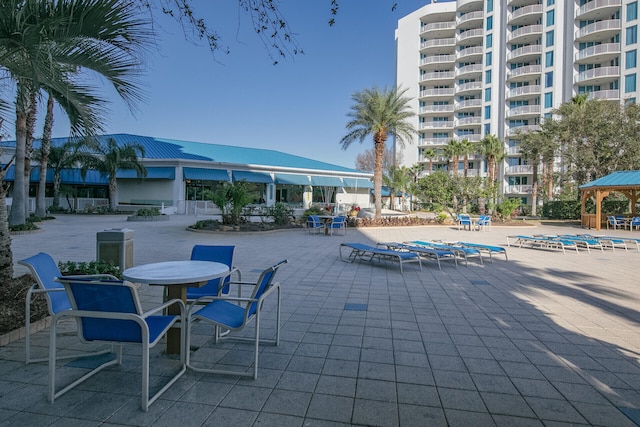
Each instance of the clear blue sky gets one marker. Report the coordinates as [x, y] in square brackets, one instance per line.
[298, 106]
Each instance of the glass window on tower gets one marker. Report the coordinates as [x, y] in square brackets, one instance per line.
[551, 17]
[489, 42]
[632, 35]
[630, 83]
[548, 100]
[549, 38]
[489, 23]
[489, 5]
[632, 11]
[548, 59]
[548, 79]
[631, 59]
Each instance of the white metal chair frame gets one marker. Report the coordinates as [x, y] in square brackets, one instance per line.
[146, 400]
[248, 302]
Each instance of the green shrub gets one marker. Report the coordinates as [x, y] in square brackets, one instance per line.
[152, 211]
[507, 208]
[314, 210]
[562, 209]
[91, 267]
[280, 213]
[441, 218]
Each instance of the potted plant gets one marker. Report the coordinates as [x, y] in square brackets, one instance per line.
[354, 210]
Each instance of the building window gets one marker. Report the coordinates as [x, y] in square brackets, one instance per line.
[487, 129]
[487, 94]
[489, 5]
[548, 59]
[549, 38]
[487, 76]
[630, 83]
[551, 2]
[548, 100]
[632, 11]
[632, 34]
[551, 17]
[489, 40]
[490, 23]
[631, 59]
[487, 112]
[548, 79]
[488, 59]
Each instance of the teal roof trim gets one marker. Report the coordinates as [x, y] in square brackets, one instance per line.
[152, 173]
[248, 176]
[292, 179]
[616, 179]
[357, 183]
[67, 176]
[200, 174]
[326, 181]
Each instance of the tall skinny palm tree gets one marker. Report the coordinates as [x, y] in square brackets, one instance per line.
[380, 113]
[108, 158]
[430, 154]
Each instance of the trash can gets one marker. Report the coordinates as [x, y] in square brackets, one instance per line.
[116, 246]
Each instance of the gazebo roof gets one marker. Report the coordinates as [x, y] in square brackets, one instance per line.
[621, 179]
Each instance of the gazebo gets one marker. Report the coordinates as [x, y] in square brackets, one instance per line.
[625, 182]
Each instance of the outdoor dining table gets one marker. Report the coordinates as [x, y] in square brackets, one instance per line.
[177, 276]
[326, 220]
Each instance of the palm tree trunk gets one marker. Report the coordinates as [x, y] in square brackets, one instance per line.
[44, 159]
[17, 215]
[534, 191]
[377, 174]
[56, 189]
[28, 149]
[113, 188]
[6, 256]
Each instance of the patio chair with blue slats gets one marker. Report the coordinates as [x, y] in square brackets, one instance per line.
[110, 311]
[464, 221]
[338, 223]
[236, 313]
[635, 222]
[221, 254]
[45, 270]
[615, 221]
[314, 225]
[484, 223]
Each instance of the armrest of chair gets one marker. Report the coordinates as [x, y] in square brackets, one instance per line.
[166, 305]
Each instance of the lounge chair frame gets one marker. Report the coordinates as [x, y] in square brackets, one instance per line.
[363, 252]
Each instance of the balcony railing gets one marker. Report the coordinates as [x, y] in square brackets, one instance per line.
[597, 27]
[521, 169]
[470, 51]
[468, 17]
[443, 75]
[437, 92]
[594, 5]
[523, 91]
[526, 128]
[438, 59]
[534, 49]
[469, 87]
[436, 109]
[600, 49]
[469, 34]
[525, 31]
[534, 9]
[605, 94]
[596, 73]
[451, 42]
[438, 26]
[469, 103]
[469, 69]
[468, 121]
[525, 110]
[436, 125]
[521, 71]
[518, 189]
[433, 141]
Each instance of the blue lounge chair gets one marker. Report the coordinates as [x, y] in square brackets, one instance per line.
[543, 242]
[362, 252]
[45, 270]
[234, 314]
[110, 311]
[488, 249]
[338, 223]
[615, 221]
[424, 252]
[461, 251]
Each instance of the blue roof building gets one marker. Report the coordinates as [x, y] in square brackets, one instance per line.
[178, 172]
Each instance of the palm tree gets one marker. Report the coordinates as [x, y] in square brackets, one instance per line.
[493, 151]
[45, 148]
[47, 45]
[466, 148]
[453, 150]
[59, 158]
[430, 154]
[530, 149]
[6, 256]
[380, 113]
[108, 158]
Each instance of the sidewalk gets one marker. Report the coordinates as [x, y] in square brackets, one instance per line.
[543, 339]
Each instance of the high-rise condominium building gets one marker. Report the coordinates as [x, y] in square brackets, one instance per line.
[485, 67]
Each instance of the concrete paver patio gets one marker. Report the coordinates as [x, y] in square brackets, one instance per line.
[543, 339]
